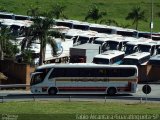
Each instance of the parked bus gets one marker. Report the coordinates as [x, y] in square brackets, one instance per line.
[114, 44]
[84, 78]
[132, 46]
[138, 58]
[109, 57]
[150, 47]
[105, 38]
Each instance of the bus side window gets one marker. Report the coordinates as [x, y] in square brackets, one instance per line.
[101, 73]
[121, 73]
[57, 72]
[71, 72]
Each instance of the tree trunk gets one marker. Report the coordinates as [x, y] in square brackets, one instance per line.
[41, 53]
[137, 25]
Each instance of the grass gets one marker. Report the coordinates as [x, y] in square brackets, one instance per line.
[77, 9]
[69, 110]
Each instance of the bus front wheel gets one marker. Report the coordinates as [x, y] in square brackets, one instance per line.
[111, 91]
[52, 91]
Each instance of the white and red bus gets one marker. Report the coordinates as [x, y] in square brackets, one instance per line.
[84, 78]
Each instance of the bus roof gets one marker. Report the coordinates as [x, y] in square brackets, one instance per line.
[82, 65]
[149, 43]
[137, 55]
[137, 42]
[109, 54]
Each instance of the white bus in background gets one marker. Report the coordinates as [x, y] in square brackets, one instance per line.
[84, 78]
[85, 37]
[150, 47]
[109, 57]
[116, 43]
[101, 40]
[132, 46]
[138, 58]
[104, 38]
[72, 34]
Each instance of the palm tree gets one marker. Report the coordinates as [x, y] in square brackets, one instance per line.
[33, 11]
[94, 13]
[136, 15]
[40, 30]
[4, 38]
[6, 47]
[3, 9]
[58, 11]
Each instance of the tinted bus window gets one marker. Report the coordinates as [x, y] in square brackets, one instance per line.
[81, 27]
[101, 30]
[64, 24]
[83, 40]
[21, 18]
[125, 33]
[92, 72]
[154, 62]
[6, 16]
[144, 48]
[129, 49]
[112, 45]
[117, 72]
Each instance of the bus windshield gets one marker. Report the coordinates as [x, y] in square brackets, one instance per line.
[112, 45]
[39, 75]
[83, 40]
[144, 48]
[130, 49]
[130, 62]
[100, 61]
[37, 78]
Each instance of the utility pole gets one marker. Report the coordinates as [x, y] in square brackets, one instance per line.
[151, 24]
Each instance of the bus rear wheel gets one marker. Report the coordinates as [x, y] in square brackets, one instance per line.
[52, 91]
[111, 91]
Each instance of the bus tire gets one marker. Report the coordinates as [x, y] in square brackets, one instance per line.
[52, 91]
[111, 91]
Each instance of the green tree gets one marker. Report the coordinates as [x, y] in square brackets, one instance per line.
[33, 11]
[7, 49]
[95, 14]
[3, 9]
[41, 30]
[58, 11]
[136, 15]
